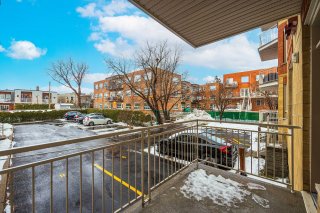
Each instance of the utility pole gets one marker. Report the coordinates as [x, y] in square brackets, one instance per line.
[49, 95]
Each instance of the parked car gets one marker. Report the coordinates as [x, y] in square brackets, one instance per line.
[209, 147]
[92, 120]
[71, 115]
[79, 118]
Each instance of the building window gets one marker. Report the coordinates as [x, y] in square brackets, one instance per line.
[183, 106]
[260, 102]
[148, 76]
[137, 78]
[105, 84]
[146, 91]
[245, 79]
[101, 85]
[100, 106]
[128, 93]
[128, 106]
[175, 80]
[146, 106]
[100, 95]
[244, 92]
[119, 105]
[176, 107]
[96, 86]
[136, 105]
[105, 95]
[106, 106]
[229, 80]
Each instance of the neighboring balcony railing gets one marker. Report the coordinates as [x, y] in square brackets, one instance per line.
[232, 85]
[115, 175]
[26, 100]
[268, 35]
[116, 98]
[6, 100]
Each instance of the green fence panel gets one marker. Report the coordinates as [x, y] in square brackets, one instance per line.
[247, 116]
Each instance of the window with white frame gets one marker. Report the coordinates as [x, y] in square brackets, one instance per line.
[100, 106]
[105, 84]
[146, 91]
[245, 79]
[119, 105]
[229, 80]
[148, 76]
[244, 92]
[100, 95]
[213, 87]
[128, 93]
[112, 94]
[136, 105]
[105, 95]
[137, 78]
[176, 107]
[128, 106]
[101, 85]
[106, 106]
[183, 106]
[96, 86]
[175, 80]
[146, 106]
[260, 102]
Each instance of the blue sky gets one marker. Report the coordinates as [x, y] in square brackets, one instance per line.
[35, 33]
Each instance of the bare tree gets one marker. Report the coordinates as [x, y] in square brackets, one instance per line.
[69, 74]
[158, 69]
[222, 96]
[271, 101]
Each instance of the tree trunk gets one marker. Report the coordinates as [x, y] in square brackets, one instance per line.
[79, 98]
[158, 116]
[220, 115]
[166, 115]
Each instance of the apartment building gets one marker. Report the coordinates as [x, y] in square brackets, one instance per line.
[8, 98]
[71, 98]
[246, 88]
[112, 93]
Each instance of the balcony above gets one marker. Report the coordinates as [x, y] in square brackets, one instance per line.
[269, 82]
[268, 48]
[232, 85]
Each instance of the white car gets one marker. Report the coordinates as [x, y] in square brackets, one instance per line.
[96, 120]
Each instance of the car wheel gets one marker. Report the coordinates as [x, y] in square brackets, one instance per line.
[91, 124]
[109, 122]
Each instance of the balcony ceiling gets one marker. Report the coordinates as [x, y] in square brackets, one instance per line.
[200, 22]
[269, 51]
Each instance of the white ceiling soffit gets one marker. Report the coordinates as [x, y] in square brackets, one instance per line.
[200, 22]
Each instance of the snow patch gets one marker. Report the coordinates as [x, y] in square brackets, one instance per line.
[261, 201]
[255, 186]
[221, 191]
[196, 114]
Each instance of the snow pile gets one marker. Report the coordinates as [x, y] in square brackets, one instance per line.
[221, 191]
[196, 114]
[255, 186]
[7, 129]
[261, 201]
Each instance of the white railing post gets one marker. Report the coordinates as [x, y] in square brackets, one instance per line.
[142, 168]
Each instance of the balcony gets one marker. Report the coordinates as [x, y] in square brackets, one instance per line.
[232, 84]
[268, 48]
[270, 81]
[115, 86]
[116, 98]
[6, 100]
[26, 100]
[145, 170]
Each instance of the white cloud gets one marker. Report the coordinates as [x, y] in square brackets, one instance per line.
[209, 79]
[25, 50]
[2, 49]
[116, 33]
[93, 77]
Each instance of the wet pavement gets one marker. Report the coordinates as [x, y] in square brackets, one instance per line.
[73, 184]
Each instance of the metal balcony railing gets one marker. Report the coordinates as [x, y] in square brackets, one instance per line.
[232, 85]
[6, 100]
[268, 35]
[113, 176]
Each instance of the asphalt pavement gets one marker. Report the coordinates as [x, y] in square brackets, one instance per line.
[91, 184]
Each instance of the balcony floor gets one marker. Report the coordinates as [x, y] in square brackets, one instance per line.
[168, 198]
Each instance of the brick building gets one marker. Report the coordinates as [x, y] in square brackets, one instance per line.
[111, 93]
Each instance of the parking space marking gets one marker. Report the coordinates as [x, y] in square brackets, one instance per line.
[118, 179]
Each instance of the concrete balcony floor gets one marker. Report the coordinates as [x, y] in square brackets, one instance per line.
[168, 198]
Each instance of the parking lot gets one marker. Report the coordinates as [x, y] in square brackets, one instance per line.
[69, 177]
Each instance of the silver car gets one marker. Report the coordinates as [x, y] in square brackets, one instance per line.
[92, 120]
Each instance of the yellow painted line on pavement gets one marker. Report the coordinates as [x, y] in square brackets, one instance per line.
[118, 179]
